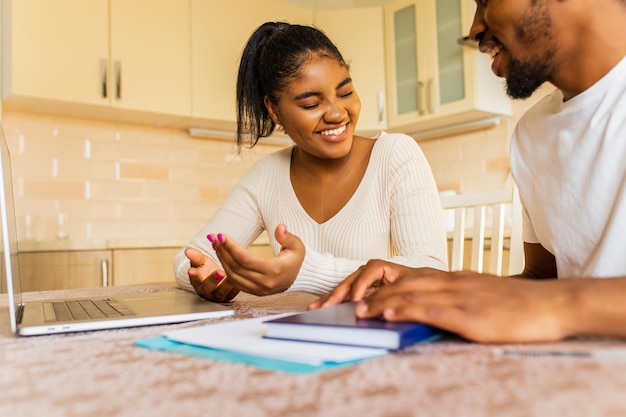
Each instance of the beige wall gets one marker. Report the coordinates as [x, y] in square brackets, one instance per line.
[117, 181]
[124, 181]
[473, 161]
[478, 160]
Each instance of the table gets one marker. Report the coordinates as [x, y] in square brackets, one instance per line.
[104, 374]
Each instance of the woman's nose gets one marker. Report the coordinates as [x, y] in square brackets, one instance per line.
[335, 111]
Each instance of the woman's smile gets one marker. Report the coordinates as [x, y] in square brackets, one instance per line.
[335, 135]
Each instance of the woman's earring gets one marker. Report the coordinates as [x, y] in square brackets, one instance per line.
[280, 128]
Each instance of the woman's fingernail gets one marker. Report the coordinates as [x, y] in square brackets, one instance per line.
[219, 276]
[211, 238]
[221, 237]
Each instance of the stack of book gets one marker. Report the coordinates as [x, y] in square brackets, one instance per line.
[304, 342]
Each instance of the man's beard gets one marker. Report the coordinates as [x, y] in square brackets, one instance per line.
[536, 31]
[524, 78]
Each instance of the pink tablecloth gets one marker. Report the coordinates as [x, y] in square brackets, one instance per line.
[104, 374]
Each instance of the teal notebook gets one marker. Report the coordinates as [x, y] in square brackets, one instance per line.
[162, 343]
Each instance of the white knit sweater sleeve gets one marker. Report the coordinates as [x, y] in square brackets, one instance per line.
[239, 216]
[321, 272]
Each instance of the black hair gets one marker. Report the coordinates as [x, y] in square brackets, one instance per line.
[270, 61]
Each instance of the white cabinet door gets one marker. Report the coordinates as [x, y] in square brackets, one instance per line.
[359, 35]
[55, 50]
[83, 56]
[432, 80]
[220, 30]
[150, 63]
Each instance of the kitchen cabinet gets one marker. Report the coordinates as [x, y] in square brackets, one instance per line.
[84, 57]
[359, 35]
[220, 31]
[432, 80]
[64, 269]
[151, 49]
[95, 268]
[140, 266]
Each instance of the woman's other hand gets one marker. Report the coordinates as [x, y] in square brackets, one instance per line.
[258, 274]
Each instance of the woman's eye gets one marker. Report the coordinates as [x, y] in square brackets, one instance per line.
[346, 94]
[309, 106]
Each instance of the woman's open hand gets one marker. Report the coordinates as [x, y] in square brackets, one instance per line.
[258, 274]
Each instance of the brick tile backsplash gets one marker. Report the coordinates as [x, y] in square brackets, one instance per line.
[123, 181]
[116, 181]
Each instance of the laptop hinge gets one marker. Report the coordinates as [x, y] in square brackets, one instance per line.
[19, 313]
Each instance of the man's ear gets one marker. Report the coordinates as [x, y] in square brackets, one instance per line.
[271, 109]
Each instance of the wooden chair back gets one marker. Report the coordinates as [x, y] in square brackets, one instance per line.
[501, 204]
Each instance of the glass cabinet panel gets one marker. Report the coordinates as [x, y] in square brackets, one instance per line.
[449, 52]
[432, 80]
[405, 41]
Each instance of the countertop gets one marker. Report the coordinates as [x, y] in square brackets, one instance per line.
[69, 245]
[104, 374]
[109, 244]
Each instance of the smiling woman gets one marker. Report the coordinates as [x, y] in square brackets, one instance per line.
[334, 200]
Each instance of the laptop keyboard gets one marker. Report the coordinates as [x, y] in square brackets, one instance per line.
[85, 310]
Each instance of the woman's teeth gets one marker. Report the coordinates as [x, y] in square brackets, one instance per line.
[333, 132]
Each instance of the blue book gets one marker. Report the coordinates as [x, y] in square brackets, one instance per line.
[339, 325]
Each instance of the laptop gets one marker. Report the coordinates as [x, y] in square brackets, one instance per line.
[83, 314]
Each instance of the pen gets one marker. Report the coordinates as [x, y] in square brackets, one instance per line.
[613, 354]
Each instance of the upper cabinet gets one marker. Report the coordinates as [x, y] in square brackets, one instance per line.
[90, 55]
[175, 62]
[55, 50]
[220, 30]
[432, 80]
[359, 35]
[150, 60]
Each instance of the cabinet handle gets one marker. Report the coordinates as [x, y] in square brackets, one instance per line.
[118, 79]
[381, 109]
[432, 106]
[104, 269]
[420, 98]
[103, 73]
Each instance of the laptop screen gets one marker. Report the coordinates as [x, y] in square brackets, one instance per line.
[8, 227]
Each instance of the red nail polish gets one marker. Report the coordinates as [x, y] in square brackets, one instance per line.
[211, 238]
[219, 276]
[221, 237]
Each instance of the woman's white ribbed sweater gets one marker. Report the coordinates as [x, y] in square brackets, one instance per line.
[395, 214]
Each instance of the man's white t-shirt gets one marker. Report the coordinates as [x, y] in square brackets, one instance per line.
[569, 162]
